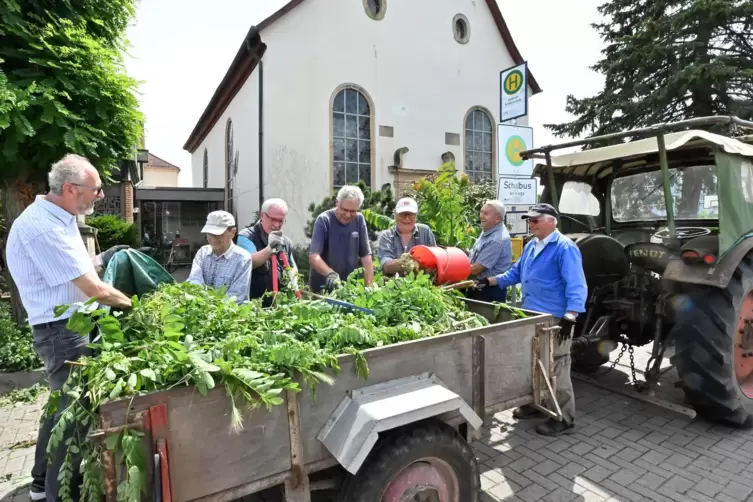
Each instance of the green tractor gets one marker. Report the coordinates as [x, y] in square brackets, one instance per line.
[664, 223]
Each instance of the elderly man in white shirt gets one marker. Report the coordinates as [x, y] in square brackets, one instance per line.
[50, 265]
[222, 263]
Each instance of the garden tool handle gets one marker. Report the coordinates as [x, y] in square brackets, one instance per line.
[286, 265]
[275, 284]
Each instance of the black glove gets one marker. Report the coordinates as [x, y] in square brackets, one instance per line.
[333, 280]
[107, 255]
[481, 283]
[566, 329]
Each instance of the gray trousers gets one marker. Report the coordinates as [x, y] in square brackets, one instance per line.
[564, 391]
[55, 345]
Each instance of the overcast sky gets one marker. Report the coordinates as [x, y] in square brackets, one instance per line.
[181, 49]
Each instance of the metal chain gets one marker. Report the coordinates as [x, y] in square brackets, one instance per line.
[616, 361]
[632, 365]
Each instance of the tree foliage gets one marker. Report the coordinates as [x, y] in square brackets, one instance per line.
[63, 87]
[667, 60]
[113, 230]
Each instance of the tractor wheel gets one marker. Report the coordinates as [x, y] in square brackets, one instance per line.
[430, 462]
[714, 349]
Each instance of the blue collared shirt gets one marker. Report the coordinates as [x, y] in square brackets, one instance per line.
[231, 269]
[552, 279]
[45, 252]
[391, 245]
[493, 251]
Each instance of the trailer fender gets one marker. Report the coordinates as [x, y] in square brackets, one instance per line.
[353, 428]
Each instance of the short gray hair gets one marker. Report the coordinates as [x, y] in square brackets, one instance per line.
[498, 206]
[274, 202]
[350, 192]
[69, 169]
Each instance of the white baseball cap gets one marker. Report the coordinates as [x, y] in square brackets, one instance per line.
[218, 222]
[406, 205]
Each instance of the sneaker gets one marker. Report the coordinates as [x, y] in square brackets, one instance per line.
[37, 495]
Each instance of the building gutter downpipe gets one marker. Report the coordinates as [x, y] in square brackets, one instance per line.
[261, 134]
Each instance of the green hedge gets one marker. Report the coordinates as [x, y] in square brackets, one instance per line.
[113, 231]
[16, 345]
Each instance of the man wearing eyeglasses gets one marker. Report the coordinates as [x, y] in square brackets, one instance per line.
[50, 265]
[550, 270]
[404, 235]
[263, 240]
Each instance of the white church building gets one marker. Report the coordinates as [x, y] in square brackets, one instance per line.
[328, 92]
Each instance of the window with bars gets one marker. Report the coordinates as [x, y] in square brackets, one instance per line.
[206, 168]
[229, 165]
[351, 138]
[479, 162]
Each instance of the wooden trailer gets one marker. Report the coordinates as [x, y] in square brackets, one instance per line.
[404, 432]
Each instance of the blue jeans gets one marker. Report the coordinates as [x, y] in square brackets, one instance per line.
[55, 345]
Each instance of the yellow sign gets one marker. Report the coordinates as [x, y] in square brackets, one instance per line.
[517, 248]
[513, 81]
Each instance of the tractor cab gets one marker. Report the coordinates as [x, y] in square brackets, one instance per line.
[664, 223]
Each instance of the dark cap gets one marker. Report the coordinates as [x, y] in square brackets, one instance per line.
[541, 210]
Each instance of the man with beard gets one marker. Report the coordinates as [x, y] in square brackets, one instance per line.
[263, 241]
[50, 265]
[340, 242]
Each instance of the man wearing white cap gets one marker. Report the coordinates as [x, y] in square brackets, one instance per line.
[222, 263]
[402, 237]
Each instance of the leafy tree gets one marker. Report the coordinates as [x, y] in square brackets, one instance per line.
[664, 61]
[667, 60]
[63, 89]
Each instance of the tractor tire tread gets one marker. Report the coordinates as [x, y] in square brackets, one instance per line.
[704, 351]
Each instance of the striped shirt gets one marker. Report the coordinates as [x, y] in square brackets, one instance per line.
[231, 269]
[391, 246]
[45, 253]
[493, 251]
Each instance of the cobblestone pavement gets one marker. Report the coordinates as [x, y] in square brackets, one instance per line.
[622, 450]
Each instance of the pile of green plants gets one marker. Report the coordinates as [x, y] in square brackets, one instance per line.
[16, 344]
[113, 230]
[185, 335]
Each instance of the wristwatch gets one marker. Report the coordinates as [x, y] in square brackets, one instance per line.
[570, 317]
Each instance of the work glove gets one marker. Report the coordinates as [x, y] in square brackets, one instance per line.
[566, 329]
[481, 283]
[276, 241]
[333, 281]
[107, 255]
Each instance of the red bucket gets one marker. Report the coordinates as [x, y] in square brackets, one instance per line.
[452, 264]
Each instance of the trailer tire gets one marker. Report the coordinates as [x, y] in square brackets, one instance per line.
[429, 454]
[706, 356]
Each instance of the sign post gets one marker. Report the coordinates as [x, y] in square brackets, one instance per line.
[513, 95]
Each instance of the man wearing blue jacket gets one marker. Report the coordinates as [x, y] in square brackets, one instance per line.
[551, 273]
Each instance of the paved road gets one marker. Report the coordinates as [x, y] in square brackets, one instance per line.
[623, 450]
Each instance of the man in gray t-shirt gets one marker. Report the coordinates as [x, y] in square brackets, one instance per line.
[340, 243]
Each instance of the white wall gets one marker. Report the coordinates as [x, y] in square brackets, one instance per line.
[421, 80]
[159, 177]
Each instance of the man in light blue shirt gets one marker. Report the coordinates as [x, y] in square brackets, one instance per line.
[50, 265]
[492, 253]
[221, 263]
[551, 272]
